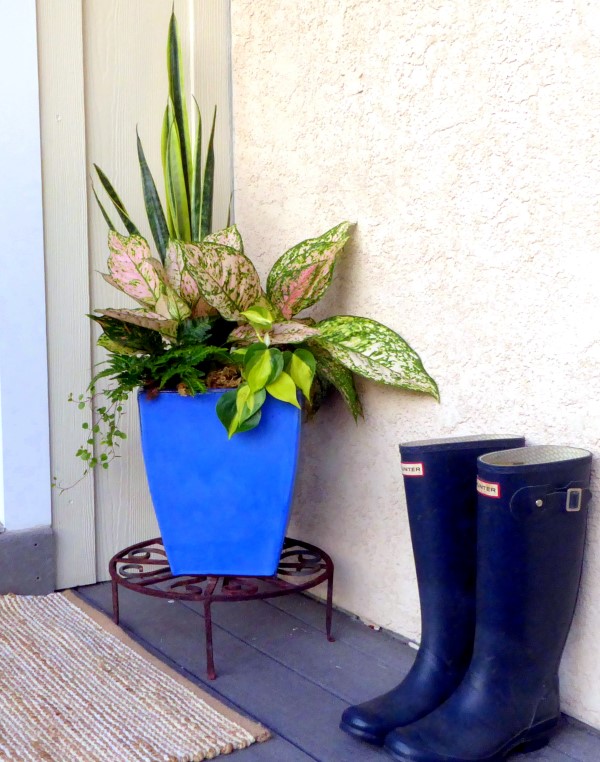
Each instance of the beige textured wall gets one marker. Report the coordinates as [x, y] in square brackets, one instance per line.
[462, 137]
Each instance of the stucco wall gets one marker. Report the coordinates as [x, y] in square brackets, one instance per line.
[462, 137]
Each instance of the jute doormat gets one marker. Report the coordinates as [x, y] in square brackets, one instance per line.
[75, 688]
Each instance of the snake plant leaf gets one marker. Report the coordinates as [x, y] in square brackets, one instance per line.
[107, 219]
[340, 377]
[301, 367]
[227, 237]
[182, 280]
[376, 352]
[284, 389]
[164, 139]
[227, 278]
[208, 183]
[118, 204]
[177, 96]
[285, 332]
[154, 210]
[150, 320]
[132, 268]
[301, 276]
[197, 177]
[177, 198]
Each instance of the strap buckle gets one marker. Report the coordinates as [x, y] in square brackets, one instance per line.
[574, 498]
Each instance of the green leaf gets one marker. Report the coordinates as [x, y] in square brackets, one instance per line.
[177, 96]
[262, 367]
[376, 352]
[284, 389]
[107, 219]
[194, 331]
[118, 204]
[250, 423]
[115, 346]
[248, 402]
[134, 337]
[301, 368]
[164, 139]
[154, 210]
[227, 409]
[208, 185]
[197, 177]
[177, 194]
[259, 317]
[340, 377]
[227, 278]
[301, 276]
[227, 413]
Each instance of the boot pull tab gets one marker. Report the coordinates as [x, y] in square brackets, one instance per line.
[537, 500]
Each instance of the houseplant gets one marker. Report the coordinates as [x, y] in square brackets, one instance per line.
[207, 339]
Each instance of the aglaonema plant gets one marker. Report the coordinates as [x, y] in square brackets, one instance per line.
[274, 351]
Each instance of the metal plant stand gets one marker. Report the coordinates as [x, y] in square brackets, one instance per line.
[144, 569]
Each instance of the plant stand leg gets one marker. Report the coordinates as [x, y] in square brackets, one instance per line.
[115, 601]
[210, 663]
[329, 608]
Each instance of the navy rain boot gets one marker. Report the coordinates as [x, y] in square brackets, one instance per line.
[530, 537]
[439, 480]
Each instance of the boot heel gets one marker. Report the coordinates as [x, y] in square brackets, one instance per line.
[537, 737]
[535, 744]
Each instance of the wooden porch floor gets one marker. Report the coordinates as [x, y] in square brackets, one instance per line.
[275, 665]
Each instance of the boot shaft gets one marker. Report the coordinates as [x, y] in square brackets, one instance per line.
[532, 511]
[439, 477]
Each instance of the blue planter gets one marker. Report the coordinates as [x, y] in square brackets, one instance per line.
[222, 504]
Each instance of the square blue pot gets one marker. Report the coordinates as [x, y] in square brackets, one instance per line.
[222, 504]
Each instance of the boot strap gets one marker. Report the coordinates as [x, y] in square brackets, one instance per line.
[543, 497]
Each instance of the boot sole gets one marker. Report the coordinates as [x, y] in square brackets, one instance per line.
[362, 735]
[532, 739]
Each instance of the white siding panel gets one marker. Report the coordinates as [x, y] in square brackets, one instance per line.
[67, 277]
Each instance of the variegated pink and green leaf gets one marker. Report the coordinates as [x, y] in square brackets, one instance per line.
[301, 276]
[132, 269]
[285, 332]
[145, 319]
[181, 279]
[227, 237]
[376, 352]
[227, 278]
[339, 376]
[171, 306]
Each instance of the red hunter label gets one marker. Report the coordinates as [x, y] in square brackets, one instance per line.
[489, 489]
[412, 469]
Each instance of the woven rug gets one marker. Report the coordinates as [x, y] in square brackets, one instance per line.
[74, 688]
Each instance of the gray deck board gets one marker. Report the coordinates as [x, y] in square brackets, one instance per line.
[275, 665]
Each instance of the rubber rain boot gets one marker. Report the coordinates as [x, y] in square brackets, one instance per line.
[531, 528]
[439, 480]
